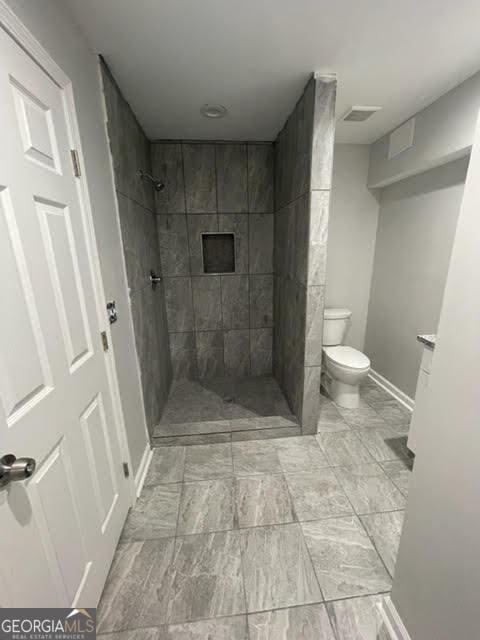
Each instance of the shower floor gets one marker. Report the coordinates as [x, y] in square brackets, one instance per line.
[224, 410]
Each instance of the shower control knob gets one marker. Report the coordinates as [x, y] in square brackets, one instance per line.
[13, 469]
[154, 279]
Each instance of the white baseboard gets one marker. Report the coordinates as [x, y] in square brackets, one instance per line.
[394, 391]
[143, 468]
[392, 621]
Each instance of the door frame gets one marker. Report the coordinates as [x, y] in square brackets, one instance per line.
[15, 28]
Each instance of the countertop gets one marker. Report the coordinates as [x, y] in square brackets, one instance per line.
[429, 339]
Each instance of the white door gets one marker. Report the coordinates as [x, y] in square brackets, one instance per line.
[60, 527]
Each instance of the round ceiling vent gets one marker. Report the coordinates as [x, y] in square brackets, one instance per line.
[213, 111]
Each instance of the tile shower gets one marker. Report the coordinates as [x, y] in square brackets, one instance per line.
[130, 152]
[218, 324]
[239, 237]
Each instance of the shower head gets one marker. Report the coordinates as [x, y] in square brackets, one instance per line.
[158, 185]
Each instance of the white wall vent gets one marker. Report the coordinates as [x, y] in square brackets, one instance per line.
[401, 139]
[359, 113]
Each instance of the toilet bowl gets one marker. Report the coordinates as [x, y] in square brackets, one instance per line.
[344, 367]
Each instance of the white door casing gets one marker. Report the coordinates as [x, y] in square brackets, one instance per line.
[59, 403]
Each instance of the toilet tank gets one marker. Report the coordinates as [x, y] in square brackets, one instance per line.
[335, 325]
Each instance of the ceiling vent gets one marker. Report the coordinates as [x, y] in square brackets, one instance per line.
[359, 113]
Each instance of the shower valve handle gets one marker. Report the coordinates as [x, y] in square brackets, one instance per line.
[154, 279]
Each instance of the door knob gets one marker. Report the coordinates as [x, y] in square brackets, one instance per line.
[13, 469]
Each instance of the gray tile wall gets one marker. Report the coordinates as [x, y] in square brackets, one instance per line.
[131, 152]
[218, 324]
[303, 168]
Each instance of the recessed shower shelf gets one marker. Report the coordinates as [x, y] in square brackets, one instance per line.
[218, 252]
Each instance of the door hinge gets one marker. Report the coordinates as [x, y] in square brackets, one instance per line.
[126, 470]
[76, 163]
[104, 340]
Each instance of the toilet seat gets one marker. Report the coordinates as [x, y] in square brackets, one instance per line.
[347, 358]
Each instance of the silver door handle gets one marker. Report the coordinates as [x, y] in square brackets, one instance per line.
[13, 469]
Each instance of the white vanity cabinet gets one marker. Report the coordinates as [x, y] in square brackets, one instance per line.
[421, 393]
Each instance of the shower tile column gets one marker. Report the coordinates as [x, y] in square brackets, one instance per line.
[320, 185]
[303, 166]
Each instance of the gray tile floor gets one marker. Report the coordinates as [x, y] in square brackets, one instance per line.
[224, 410]
[285, 539]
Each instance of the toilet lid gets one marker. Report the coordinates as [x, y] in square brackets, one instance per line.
[347, 357]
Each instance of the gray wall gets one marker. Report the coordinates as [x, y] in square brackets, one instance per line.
[443, 133]
[218, 325]
[437, 581]
[52, 24]
[416, 228]
[303, 168]
[131, 152]
[352, 229]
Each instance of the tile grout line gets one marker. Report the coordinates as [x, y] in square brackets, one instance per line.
[240, 543]
[247, 614]
[322, 595]
[375, 547]
[248, 267]
[223, 330]
[355, 515]
[171, 568]
[189, 261]
[358, 516]
[303, 536]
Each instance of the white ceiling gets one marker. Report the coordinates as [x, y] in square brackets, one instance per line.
[254, 56]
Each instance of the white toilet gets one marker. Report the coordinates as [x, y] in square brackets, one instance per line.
[345, 367]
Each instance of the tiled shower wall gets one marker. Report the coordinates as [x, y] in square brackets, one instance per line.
[303, 168]
[218, 324]
[131, 152]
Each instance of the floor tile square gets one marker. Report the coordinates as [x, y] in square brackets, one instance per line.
[357, 618]
[363, 417]
[399, 472]
[166, 466]
[154, 514]
[206, 506]
[206, 577]
[231, 628]
[208, 461]
[384, 444]
[317, 494]
[277, 569]
[300, 454]
[385, 530]
[343, 448]
[369, 489]
[255, 457]
[373, 395]
[263, 500]
[309, 622]
[329, 418]
[345, 560]
[136, 591]
[393, 413]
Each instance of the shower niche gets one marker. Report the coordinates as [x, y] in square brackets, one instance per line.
[218, 252]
